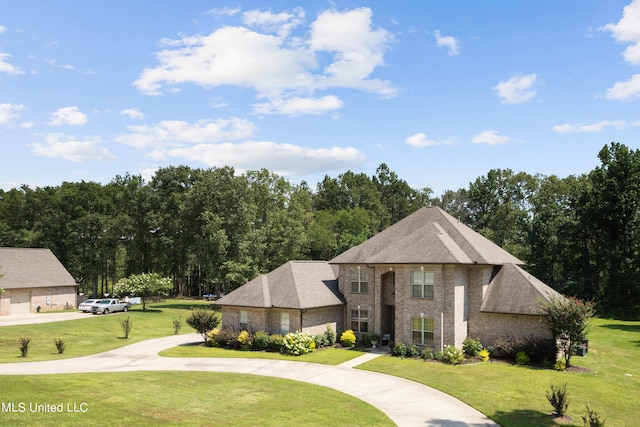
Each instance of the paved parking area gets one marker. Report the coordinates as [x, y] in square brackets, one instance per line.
[33, 318]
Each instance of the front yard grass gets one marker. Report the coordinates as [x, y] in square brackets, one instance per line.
[515, 396]
[96, 333]
[326, 356]
[180, 399]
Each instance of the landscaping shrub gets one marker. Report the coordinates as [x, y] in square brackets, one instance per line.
[539, 350]
[177, 325]
[427, 354]
[245, 339]
[60, 345]
[560, 365]
[25, 342]
[558, 397]
[522, 358]
[592, 419]
[348, 338]
[227, 338]
[213, 336]
[471, 347]
[261, 341]
[452, 355]
[330, 335]
[276, 342]
[413, 350]
[399, 350]
[320, 340]
[203, 321]
[126, 325]
[483, 355]
[297, 344]
[365, 341]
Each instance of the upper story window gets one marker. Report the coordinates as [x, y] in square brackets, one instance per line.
[422, 284]
[359, 280]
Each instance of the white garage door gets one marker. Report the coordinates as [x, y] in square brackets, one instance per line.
[20, 301]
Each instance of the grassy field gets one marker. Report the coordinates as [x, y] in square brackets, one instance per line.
[179, 399]
[96, 333]
[326, 356]
[510, 395]
[515, 396]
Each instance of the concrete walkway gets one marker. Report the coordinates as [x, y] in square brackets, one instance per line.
[33, 318]
[407, 403]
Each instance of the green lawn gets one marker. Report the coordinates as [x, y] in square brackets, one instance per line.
[510, 395]
[515, 396]
[179, 399]
[327, 356]
[96, 333]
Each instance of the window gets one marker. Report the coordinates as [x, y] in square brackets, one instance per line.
[422, 284]
[359, 281]
[284, 323]
[244, 323]
[360, 321]
[422, 330]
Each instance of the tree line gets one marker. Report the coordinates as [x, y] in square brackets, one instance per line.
[211, 230]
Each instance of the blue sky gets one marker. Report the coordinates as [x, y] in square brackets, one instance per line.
[441, 92]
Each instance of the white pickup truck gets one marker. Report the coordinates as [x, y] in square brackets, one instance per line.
[109, 305]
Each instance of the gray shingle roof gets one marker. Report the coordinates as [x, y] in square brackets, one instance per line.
[296, 284]
[32, 268]
[427, 236]
[514, 291]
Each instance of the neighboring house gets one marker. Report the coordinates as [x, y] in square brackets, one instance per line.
[297, 296]
[34, 278]
[427, 279]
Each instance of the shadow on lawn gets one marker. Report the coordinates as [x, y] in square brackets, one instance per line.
[524, 417]
[626, 328]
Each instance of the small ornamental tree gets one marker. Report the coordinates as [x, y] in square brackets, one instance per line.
[144, 285]
[568, 319]
[204, 321]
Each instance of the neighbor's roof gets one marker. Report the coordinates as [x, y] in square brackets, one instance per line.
[296, 284]
[514, 291]
[427, 236]
[32, 268]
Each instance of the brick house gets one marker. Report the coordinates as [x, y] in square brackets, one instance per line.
[428, 279]
[32, 278]
[297, 296]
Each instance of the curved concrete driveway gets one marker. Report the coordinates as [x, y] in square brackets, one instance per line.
[407, 403]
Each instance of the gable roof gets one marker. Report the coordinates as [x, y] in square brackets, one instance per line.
[514, 291]
[427, 236]
[32, 268]
[296, 284]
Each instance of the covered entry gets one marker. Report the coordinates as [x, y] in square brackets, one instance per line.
[20, 301]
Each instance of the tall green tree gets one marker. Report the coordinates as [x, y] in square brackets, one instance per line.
[144, 285]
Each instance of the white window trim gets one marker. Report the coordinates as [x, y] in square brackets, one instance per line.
[359, 273]
[422, 285]
[360, 319]
[423, 331]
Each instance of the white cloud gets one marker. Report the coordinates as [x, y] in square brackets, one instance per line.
[420, 140]
[451, 43]
[172, 132]
[625, 91]
[223, 11]
[9, 112]
[54, 63]
[594, 127]
[283, 159]
[68, 147]
[2, 29]
[68, 116]
[489, 137]
[517, 89]
[279, 23]
[627, 30]
[296, 106]
[341, 50]
[5, 67]
[132, 113]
